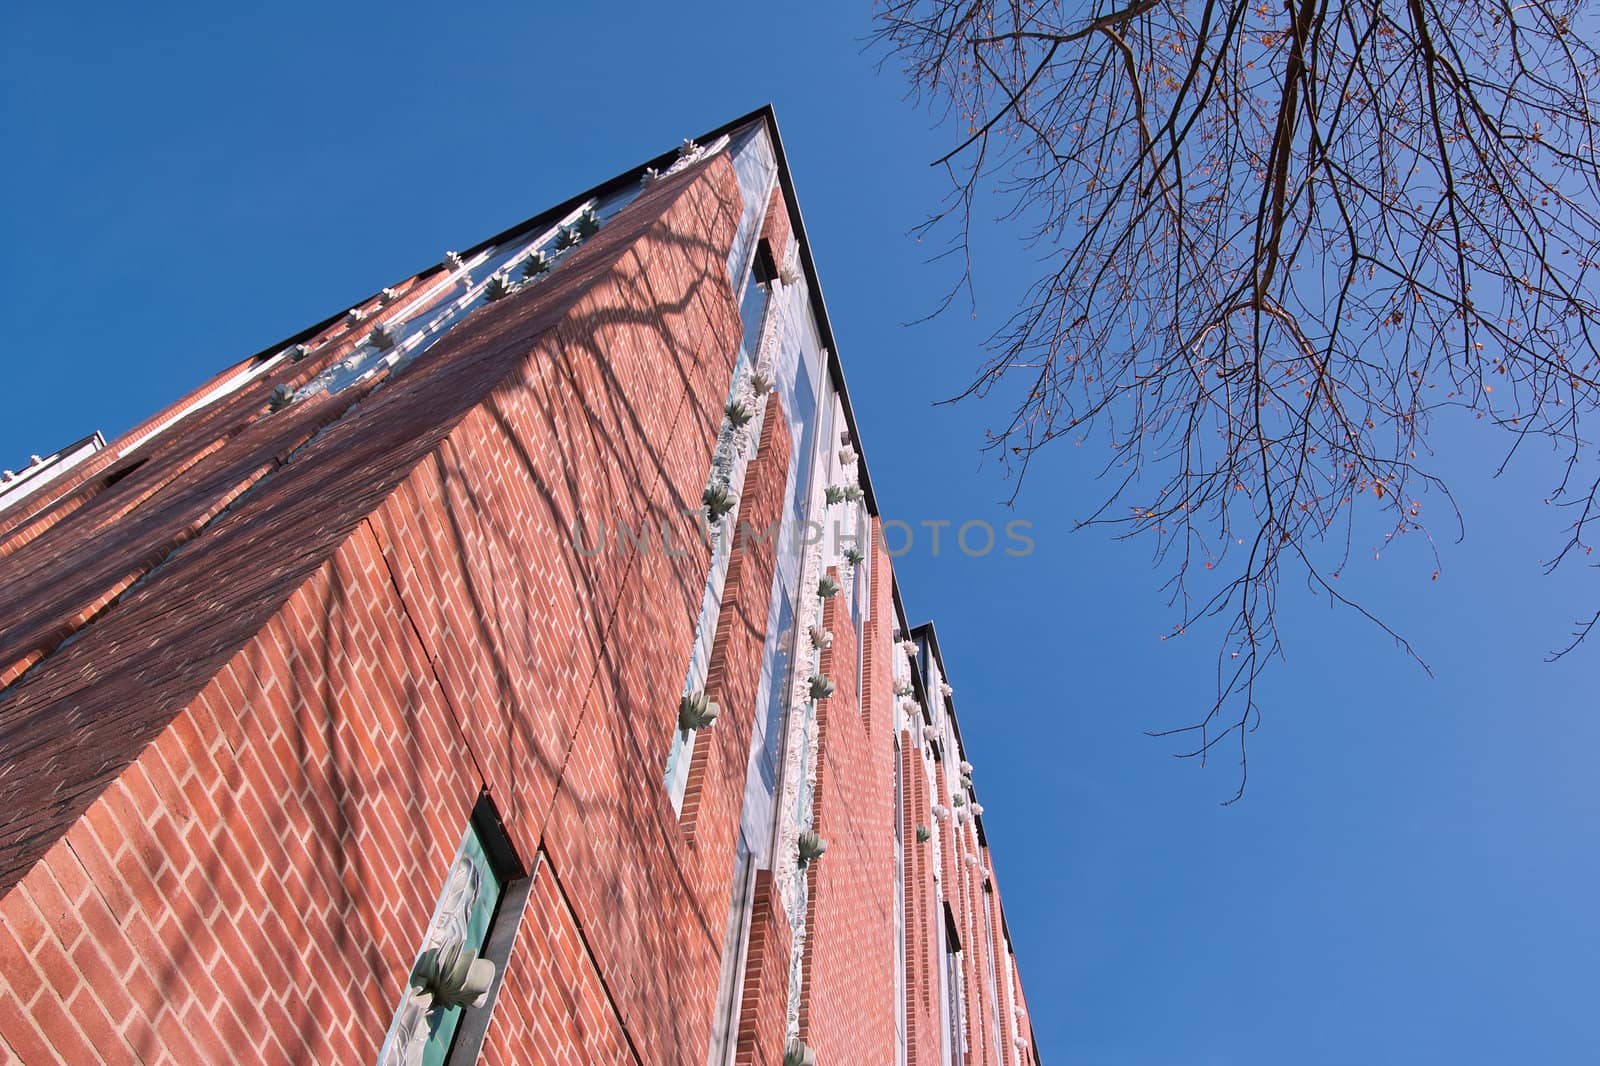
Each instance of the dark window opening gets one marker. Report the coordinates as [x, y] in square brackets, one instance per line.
[765, 267]
[117, 475]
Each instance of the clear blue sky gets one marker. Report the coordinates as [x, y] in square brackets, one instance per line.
[1411, 877]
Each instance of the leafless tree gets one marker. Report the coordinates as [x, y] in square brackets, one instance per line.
[1281, 239]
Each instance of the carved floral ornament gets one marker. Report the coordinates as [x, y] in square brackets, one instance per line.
[447, 974]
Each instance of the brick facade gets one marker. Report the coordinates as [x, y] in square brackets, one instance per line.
[256, 669]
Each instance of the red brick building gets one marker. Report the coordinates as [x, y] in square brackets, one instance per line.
[531, 612]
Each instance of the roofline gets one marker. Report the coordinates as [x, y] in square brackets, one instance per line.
[819, 308]
[542, 219]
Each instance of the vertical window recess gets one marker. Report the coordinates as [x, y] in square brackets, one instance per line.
[443, 1013]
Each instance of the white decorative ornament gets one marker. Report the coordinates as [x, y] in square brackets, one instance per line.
[940, 811]
[689, 153]
[382, 336]
[821, 637]
[909, 647]
[355, 317]
[977, 809]
[946, 690]
[445, 974]
[498, 287]
[966, 767]
[847, 456]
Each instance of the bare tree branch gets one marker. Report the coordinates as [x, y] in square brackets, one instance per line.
[1285, 236]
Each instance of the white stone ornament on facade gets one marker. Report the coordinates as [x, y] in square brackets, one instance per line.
[468, 978]
[382, 336]
[498, 287]
[689, 153]
[355, 316]
[946, 690]
[909, 647]
[799, 778]
[966, 767]
[789, 269]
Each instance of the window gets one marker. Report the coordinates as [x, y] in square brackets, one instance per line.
[439, 1021]
[735, 446]
[989, 952]
[955, 988]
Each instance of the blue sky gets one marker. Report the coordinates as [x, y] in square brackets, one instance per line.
[1411, 877]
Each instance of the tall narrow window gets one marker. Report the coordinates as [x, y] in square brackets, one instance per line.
[443, 1013]
[989, 953]
[955, 988]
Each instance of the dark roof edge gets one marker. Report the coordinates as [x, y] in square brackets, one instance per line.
[819, 309]
[542, 219]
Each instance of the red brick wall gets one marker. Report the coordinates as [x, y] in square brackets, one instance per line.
[764, 1004]
[293, 821]
[564, 1008]
[775, 226]
[924, 949]
[296, 813]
